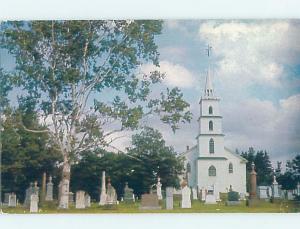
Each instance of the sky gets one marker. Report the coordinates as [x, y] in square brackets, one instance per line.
[256, 73]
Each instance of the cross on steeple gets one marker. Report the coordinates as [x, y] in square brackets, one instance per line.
[208, 49]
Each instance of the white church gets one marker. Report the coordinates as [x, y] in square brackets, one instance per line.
[209, 164]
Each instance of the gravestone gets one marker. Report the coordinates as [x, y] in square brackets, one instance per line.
[35, 188]
[158, 189]
[43, 193]
[80, 200]
[263, 192]
[87, 199]
[169, 198]
[12, 200]
[253, 182]
[194, 192]
[6, 198]
[111, 195]
[64, 194]
[275, 188]
[186, 197]
[34, 201]
[290, 195]
[71, 198]
[298, 189]
[49, 190]
[128, 194]
[210, 197]
[103, 190]
[28, 193]
[149, 202]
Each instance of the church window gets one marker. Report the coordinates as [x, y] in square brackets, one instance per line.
[210, 110]
[188, 167]
[212, 171]
[230, 168]
[211, 125]
[211, 146]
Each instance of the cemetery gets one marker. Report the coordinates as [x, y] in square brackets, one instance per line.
[185, 200]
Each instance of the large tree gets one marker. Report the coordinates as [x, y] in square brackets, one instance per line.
[83, 77]
[152, 158]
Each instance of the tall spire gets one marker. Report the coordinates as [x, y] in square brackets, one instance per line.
[208, 91]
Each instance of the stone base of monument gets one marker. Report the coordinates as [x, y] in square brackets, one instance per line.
[149, 202]
[253, 202]
[232, 203]
[210, 199]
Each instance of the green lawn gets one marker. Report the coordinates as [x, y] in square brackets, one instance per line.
[197, 207]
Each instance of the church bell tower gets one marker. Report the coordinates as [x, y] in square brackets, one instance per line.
[210, 137]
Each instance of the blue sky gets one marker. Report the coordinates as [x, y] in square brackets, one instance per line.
[256, 75]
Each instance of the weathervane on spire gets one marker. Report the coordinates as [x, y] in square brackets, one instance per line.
[208, 49]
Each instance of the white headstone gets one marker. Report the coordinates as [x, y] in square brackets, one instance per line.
[49, 190]
[34, 201]
[103, 190]
[186, 197]
[169, 198]
[87, 200]
[298, 189]
[64, 194]
[195, 196]
[290, 195]
[12, 200]
[158, 189]
[275, 190]
[210, 199]
[262, 192]
[80, 199]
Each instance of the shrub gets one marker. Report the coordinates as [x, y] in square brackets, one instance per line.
[233, 196]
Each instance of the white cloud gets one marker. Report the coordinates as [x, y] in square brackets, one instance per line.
[176, 75]
[264, 125]
[252, 52]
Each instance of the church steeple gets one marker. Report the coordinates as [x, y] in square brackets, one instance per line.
[208, 91]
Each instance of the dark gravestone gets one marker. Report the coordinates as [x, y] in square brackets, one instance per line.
[149, 202]
[6, 198]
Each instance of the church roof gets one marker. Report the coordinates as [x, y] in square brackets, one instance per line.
[236, 154]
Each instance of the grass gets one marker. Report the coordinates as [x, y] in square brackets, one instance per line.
[197, 207]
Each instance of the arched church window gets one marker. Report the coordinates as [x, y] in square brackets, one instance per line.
[210, 110]
[211, 146]
[230, 168]
[188, 167]
[210, 125]
[212, 171]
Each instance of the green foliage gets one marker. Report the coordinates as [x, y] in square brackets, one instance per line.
[25, 156]
[153, 159]
[148, 158]
[291, 177]
[263, 166]
[233, 196]
[5, 87]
